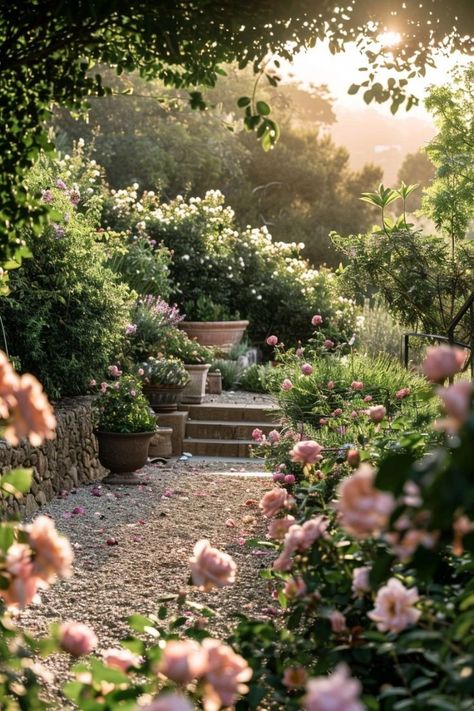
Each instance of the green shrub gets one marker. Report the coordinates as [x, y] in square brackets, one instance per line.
[66, 315]
[378, 331]
[230, 371]
[258, 379]
[122, 407]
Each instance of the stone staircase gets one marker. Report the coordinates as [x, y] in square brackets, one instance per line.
[225, 430]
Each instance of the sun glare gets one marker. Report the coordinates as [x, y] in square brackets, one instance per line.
[389, 38]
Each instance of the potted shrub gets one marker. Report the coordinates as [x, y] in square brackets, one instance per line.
[196, 359]
[124, 425]
[212, 324]
[164, 380]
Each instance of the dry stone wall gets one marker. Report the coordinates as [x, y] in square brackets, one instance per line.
[60, 464]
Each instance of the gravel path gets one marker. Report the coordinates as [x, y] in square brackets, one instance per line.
[132, 545]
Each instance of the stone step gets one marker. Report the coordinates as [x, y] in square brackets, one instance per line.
[233, 413]
[210, 429]
[217, 447]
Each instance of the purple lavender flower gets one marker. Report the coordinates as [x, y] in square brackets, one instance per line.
[47, 195]
[130, 329]
[61, 184]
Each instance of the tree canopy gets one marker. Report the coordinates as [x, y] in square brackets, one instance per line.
[48, 49]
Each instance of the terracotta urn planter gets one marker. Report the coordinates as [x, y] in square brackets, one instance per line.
[123, 451]
[163, 398]
[195, 390]
[222, 334]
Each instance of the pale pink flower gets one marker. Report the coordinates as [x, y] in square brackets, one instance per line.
[300, 538]
[295, 587]
[312, 530]
[360, 581]
[211, 567]
[357, 385]
[306, 368]
[368, 398]
[52, 552]
[290, 479]
[279, 527]
[336, 692]
[225, 676]
[405, 543]
[353, 457]
[323, 421]
[364, 510]
[103, 387]
[76, 638]
[338, 622]
[457, 404]
[22, 585]
[168, 702]
[317, 320]
[141, 372]
[377, 413]
[394, 607]
[9, 383]
[274, 436]
[278, 476]
[299, 352]
[294, 677]
[354, 414]
[272, 340]
[131, 329]
[121, 659]
[274, 501]
[31, 414]
[443, 362]
[286, 384]
[92, 383]
[307, 452]
[257, 434]
[328, 343]
[461, 527]
[402, 393]
[114, 371]
[337, 412]
[331, 385]
[183, 661]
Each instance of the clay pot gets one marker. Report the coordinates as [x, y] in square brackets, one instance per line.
[163, 398]
[123, 451]
[223, 334]
[195, 390]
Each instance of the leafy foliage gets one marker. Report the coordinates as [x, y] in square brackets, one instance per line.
[122, 407]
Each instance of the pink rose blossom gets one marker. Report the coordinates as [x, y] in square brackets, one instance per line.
[130, 329]
[279, 527]
[306, 369]
[76, 638]
[31, 415]
[92, 383]
[338, 622]
[295, 587]
[225, 676]
[323, 421]
[104, 387]
[377, 413]
[357, 385]
[183, 661]
[290, 479]
[22, 584]
[331, 385]
[402, 393]
[443, 362]
[272, 340]
[275, 501]
[168, 702]
[211, 567]
[294, 677]
[405, 541]
[368, 398]
[121, 659]
[360, 581]
[456, 401]
[278, 476]
[299, 352]
[336, 692]
[328, 343]
[337, 412]
[53, 553]
[364, 510]
[114, 371]
[286, 384]
[461, 527]
[257, 435]
[317, 320]
[353, 457]
[354, 414]
[394, 607]
[274, 436]
[307, 452]
[141, 372]
[300, 538]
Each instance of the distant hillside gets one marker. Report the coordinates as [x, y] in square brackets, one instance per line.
[372, 137]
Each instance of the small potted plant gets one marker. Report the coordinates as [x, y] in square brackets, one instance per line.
[212, 324]
[164, 380]
[196, 359]
[124, 425]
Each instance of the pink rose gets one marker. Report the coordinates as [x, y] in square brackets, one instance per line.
[183, 661]
[443, 362]
[274, 436]
[168, 702]
[274, 501]
[295, 587]
[294, 677]
[456, 401]
[307, 452]
[272, 340]
[317, 320]
[368, 398]
[114, 371]
[360, 581]
[323, 421]
[103, 387]
[121, 659]
[328, 343]
[53, 553]
[336, 692]
[403, 393]
[290, 479]
[211, 567]
[353, 457]
[299, 352]
[377, 413]
[286, 384]
[404, 543]
[338, 622]
[364, 510]
[357, 385]
[76, 638]
[306, 369]
[331, 385]
[394, 607]
[278, 476]
[279, 527]
[92, 383]
[337, 412]
[22, 585]
[225, 676]
[461, 527]
[257, 435]
[300, 538]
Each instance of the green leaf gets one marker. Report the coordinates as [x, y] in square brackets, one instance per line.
[263, 108]
[243, 101]
[353, 89]
[17, 482]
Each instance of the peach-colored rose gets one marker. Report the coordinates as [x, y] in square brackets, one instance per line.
[183, 661]
[307, 452]
[295, 587]
[294, 677]
[23, 584]
[336, 692]
[312, 530]
[405, 543]
[30, 412]
[121, 659]
[457, 404]
[442, 362]
[275, 501]
[360, 581]
[76, 638]
[364, 510]
[225, 676]
[279, 526]
[377, 413]
[211, 567]
[274, 436]
[300, 538]
[52, 553]
[9, 382]
[394, 607]
[353, 457]
[357, 385]
[402, 393]
[461, 527]
[168, 702]
[338, 622]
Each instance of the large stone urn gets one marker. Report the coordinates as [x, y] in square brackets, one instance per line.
[123, 452]
[221, 334]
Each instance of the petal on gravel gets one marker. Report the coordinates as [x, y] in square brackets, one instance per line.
[78, 510]
[230, 523]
